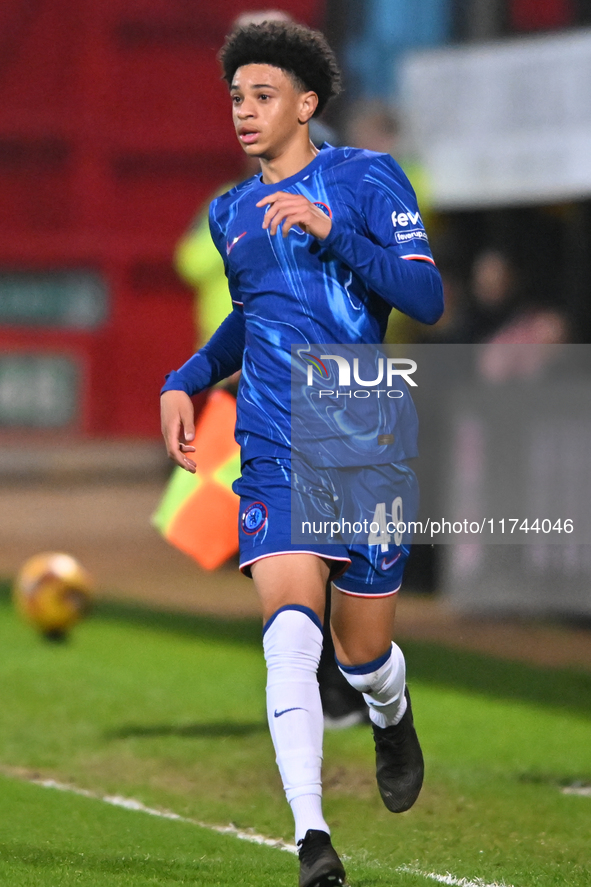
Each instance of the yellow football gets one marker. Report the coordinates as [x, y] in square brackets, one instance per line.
[53, 592]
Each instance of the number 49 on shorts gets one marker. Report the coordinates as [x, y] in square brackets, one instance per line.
[381, 530]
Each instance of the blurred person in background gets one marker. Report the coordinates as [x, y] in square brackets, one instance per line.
[536, 327]
[507, 306]
[509, 314]
[496, 292]
[503, 307]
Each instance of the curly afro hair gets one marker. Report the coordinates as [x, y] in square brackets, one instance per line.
[301, 52]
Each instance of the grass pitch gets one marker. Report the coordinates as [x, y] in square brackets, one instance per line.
[170, 710]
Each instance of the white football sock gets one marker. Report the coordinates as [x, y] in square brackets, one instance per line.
[292, 642]
[382, 684]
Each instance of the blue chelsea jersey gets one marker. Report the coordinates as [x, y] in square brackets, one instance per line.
[301, 291]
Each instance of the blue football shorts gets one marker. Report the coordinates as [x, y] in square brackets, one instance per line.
[274, 503]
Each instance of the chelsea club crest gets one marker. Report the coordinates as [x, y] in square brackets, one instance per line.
[254, 518]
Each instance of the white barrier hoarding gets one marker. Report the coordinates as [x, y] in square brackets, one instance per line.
[504, 123]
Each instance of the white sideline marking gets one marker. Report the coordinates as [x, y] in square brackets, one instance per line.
[132, 804]
[250, 836]
[584, 790]
[449, 879]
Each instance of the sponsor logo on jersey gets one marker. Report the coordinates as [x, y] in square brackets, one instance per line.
[405, 219]
[254, 518]
[413, 234]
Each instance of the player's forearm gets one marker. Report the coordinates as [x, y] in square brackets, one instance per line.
[412, 286]
[219, 358]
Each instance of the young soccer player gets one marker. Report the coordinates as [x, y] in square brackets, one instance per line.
[317, 249]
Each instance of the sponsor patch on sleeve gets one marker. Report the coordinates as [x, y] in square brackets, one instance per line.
[413, 234]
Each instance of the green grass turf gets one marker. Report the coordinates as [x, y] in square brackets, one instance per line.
[170, 710]
[51, 838]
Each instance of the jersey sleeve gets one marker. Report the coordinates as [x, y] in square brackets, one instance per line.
[392, 253]
[391, 210]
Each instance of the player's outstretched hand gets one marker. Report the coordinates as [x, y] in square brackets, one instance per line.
[178, 427]
[294, 209]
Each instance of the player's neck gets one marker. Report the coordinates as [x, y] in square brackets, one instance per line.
[294, 157]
